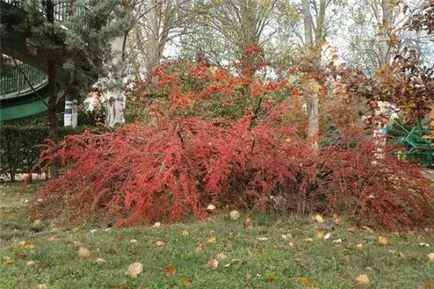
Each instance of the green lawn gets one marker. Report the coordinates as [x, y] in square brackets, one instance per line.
[255, 258]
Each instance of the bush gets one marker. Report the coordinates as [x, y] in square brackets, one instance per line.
[143, 173]
[20, 146]
[213, 137]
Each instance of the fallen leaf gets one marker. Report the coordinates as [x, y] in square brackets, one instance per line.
[185, 233]
[247, 278]
[234, 214]
[271, 277]
[133, 241]
[287, 237]
[431, 257]
[263, 238]
[26, 245]
[363, 279]
[383, 241]
[337, 219]
[318, 218]
[213, 264]
[353, 229]
[220, 256]
[368, 229]
[423, 244]
[83, 252]
[21, 255]
[8, 261]
[248, 223]
[347, 259]
[306, 282]
[428, 284]
[212, 240]
[199, 247]
[134, 269]
[210, 207]
[52, 239]
[320, 234]
[337, 241]
[186, 282]
[42, 286]
[327, 236]
[37, 222]
[99, 260]
[120, 237]
[402, 255]
[359, 246]
[156, 225]
[170, 270]
[160, 244]
[308, 240]
[30, 263]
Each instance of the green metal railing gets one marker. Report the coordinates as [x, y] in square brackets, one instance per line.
[62, 9]
[19, 79]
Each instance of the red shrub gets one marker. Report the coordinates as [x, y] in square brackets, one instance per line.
[144, 173]
[257, 158]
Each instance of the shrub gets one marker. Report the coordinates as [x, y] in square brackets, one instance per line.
[144, 173]
[237, 140]
[20, 146]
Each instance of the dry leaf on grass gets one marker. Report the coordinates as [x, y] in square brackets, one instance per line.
[134, 269]
[200, 247]
[220, 256]
[185, 233]
[30, 263]
[383, 241]
[186, 282]
[271, 277]
[83, 252]
[431, 257]
[160, 244]
[26, 245]
[42, 286]
[210, 207]
[318, 218]
[306, 282]
[8, 261]
[170, 270]
[234, 214]
[213, 264]
[156, 225]
[212, 240]
[363, 279]
[248, 223]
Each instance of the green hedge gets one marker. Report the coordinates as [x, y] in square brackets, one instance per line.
[19, 146]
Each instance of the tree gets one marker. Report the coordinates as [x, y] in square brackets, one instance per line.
[314, 35]
[222, 30]
[377, 31]
[72, 44]
[155, 22]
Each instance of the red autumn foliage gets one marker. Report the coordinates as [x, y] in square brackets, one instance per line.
[257, 158]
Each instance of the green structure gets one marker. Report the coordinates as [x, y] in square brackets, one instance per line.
[419, 146]
[23, 79]
[23, 92]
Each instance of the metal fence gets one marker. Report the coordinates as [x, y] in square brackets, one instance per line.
[16, 79]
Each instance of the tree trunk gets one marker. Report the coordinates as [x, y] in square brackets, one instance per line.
[52, 94]
[312, 97]
[385, 30]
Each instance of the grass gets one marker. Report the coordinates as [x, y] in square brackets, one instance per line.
[256, 258]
